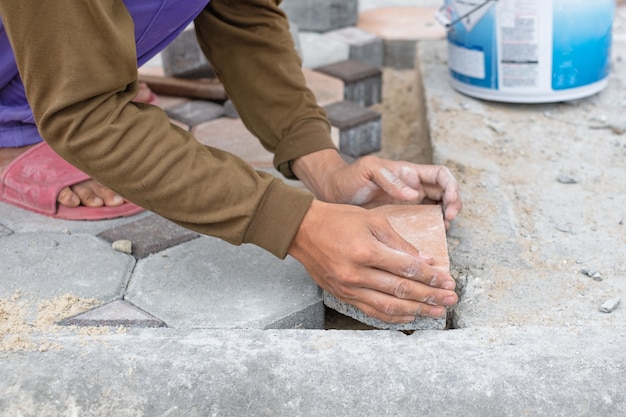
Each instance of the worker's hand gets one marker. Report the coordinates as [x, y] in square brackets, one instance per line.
[372, 181]
[356, 255]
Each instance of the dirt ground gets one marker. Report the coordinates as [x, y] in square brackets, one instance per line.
[405, 130]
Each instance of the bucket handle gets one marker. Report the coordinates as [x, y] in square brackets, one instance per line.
[444, 18]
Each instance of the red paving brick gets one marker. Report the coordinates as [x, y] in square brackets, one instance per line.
[423, 227]
[402, 23]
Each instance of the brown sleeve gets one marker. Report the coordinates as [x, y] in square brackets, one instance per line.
[77, 60]
[249, 44]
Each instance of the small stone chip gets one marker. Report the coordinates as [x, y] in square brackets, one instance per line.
[591, 273]
[610, 305]
[567, 179]
[125, 246]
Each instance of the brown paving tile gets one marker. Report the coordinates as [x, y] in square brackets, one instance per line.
[232, 136]
[149, 235]
[400, 23]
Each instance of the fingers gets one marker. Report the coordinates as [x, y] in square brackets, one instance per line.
[89, 193]
[358, 257]
[406, 182]
[397, 300]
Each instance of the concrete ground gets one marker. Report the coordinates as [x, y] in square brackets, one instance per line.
[538, 251]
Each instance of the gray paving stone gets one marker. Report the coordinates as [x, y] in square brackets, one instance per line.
[149, 235]
[321, 15]
[362, 82]
[196, 112]
[116, 313]
[320, 49]
[230, 110]
[208, 283]
[184, 58]
[360, 128]
[43, 266]
[364, 47]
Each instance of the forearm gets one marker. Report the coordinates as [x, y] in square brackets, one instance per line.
[249, 44]
[79, 70]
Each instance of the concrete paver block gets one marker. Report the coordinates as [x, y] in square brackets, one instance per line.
[320, 49]
[183, 58]
[116, 313]
[149, 235]
[321, 15]
[47, 265]
[360, 128]
[423, 227]
[208, 283]
[364, 47]
[194, 112]
[362, 82]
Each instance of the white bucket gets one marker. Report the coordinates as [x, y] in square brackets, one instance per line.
[528, 51]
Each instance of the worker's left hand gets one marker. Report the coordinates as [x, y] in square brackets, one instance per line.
[371, 181]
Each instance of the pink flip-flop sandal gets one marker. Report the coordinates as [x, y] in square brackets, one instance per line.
[33, 180]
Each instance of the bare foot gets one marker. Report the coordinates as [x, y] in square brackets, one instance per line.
[88, 193]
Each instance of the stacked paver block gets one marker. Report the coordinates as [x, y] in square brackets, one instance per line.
[327, 33]
[422, 226]
[363, 46]
[183, 57]
[362, 82]
[317, 49]
[360, 128]
[321, 15]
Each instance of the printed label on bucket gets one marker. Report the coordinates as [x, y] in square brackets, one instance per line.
[529, 48]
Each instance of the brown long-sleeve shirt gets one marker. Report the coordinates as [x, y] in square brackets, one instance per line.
[77, 61]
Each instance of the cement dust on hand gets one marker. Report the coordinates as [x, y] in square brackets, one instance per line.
[17, 334]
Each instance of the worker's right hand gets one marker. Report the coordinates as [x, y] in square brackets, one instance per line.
[355, 255]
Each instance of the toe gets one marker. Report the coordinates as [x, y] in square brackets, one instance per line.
[68, 198]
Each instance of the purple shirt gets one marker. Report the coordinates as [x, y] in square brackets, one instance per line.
[157, 23]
